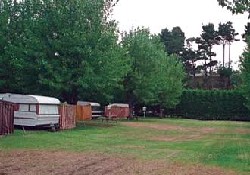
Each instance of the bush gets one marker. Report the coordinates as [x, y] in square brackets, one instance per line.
[212, 105]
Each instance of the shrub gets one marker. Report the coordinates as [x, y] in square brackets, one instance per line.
[212, 105]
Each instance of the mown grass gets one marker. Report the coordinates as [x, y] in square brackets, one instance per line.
[227, 144]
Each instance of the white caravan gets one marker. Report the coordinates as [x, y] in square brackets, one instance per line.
[34, 110]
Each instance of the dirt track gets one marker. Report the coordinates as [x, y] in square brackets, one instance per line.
[69, 163]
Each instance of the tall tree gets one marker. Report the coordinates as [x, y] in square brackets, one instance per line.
[190, 56]
[155, 78]
[226, 35]
[205, 45]
[168, 82]
[242, 6]
[66, 49]
[173, 40]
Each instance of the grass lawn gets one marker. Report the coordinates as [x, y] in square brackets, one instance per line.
[222, 144]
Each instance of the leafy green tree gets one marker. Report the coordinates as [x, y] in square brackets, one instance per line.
[155, 78]
[66, 49]
[173, 40]
[9, 41]
[245, 66]
[89, 47]
[245, 69]
[168, 81]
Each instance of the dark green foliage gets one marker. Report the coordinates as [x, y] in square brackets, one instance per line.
[205, 44]
[236, 79]
[225, 72]
[173, 40]
[247, 32]
[236, 6]
[245, 68]
[212, 105]
[190, 56]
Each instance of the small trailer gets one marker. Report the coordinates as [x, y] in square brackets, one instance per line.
[96, 110]
[34, 110]
[117, 110]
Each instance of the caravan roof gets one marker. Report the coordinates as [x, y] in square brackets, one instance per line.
[4, 95]
[1, 96]
[16, 98]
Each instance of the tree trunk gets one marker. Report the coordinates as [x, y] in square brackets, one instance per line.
[223, 61]
[161, 112]
[205, 68]
[229, 56]
[210, 57]
[193, 68]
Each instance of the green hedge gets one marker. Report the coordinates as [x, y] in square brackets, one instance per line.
[212, 105]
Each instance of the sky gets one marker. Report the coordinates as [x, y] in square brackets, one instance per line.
[188, 14]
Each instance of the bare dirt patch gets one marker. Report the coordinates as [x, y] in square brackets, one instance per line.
[243, 131]
[166, 127]
[184, 133]
[182, 138]
[69, 163]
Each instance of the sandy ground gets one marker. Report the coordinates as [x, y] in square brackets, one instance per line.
[34, 162]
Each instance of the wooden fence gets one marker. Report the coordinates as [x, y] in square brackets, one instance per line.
[67, 118]
[6, 118]
[83, 113]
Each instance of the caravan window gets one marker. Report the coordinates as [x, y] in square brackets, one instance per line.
[24, 107]
[48, 109]
[32, 108]
[27, 107]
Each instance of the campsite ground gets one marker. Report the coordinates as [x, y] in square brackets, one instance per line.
[149, 146]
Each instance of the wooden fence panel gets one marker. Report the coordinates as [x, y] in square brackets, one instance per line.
[6, 118]
[84, 113]
[67, 118]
